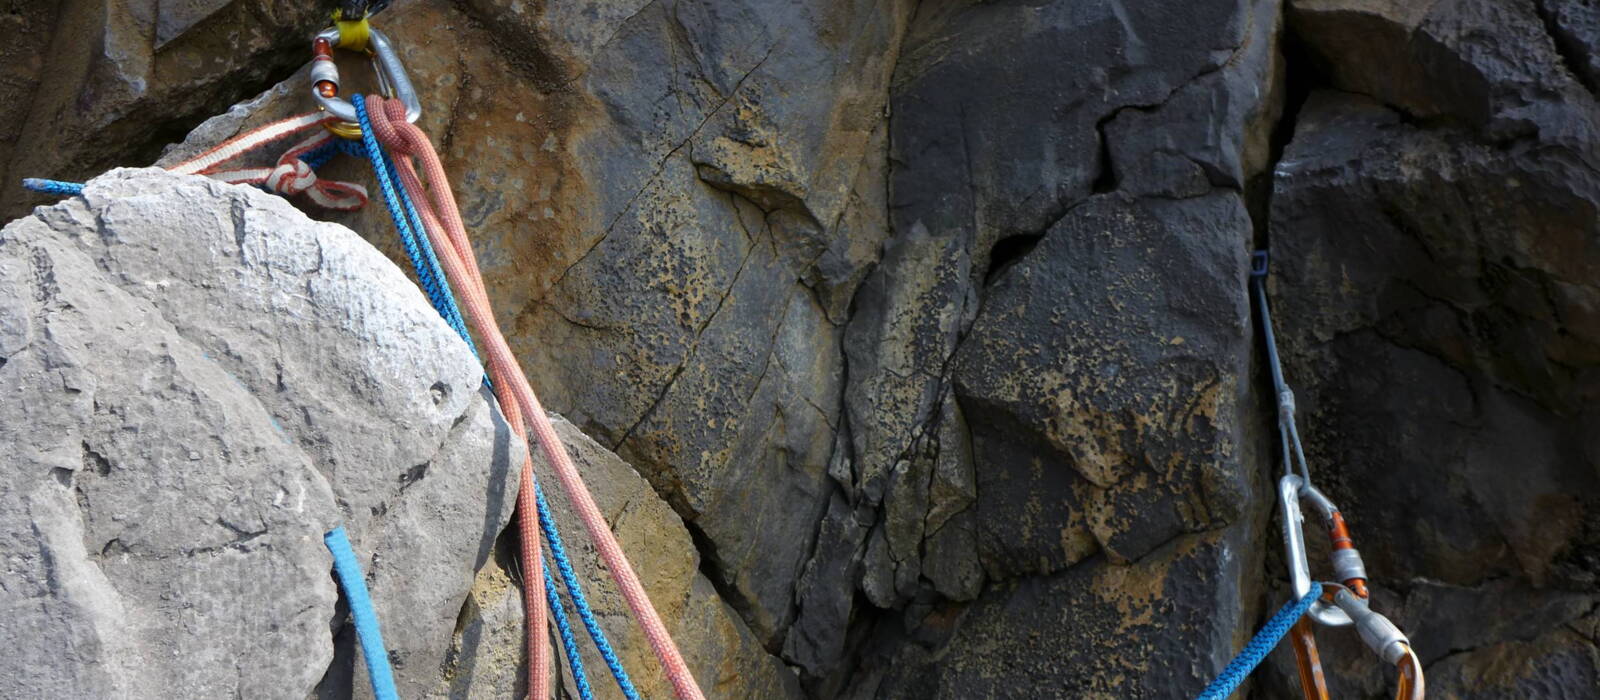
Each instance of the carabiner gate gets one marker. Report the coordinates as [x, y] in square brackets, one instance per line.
[325, 80]
[1294, 545]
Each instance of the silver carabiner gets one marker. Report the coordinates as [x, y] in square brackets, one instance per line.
[1294, 545]
[391, 74]
[1377, 632]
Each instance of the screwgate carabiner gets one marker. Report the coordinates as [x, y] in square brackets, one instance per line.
[325, 80]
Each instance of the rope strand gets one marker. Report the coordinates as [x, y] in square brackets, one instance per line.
[552, 537]
[362, 614]
[532, 561]
[445, 229]
[1259, 646]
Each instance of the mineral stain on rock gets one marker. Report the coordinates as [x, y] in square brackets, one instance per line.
[906, 343]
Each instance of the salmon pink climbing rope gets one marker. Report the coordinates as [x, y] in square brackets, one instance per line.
[445, 230]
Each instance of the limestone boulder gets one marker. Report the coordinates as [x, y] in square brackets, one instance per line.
[200, 383]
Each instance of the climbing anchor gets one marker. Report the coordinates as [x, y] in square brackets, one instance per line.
[357, 35]
[1326, 604]
[1340, 604]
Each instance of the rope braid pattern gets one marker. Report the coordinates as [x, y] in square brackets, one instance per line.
[500, 375]
[430, 277]
[569, 641]
[348, 569]
[409, 224]
[442, 221]
[552, 537]
[1258, 647]
[55, 187]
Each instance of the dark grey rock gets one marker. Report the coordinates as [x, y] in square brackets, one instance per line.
[1118, 346]
[1095, 629]
[886, 300]
[825, 593]
[1574, 26]
[1432, 293]
[1493, 66]
[984, 159]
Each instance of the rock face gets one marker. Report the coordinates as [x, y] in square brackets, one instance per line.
[1437, 258]
[929, 323]
[486, 659]
[92, 84]
[678, 232]
[201, 382]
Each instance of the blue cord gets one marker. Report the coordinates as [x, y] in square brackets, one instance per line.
[56, 187]
[1259, 646]
[320, 155]
[451, 312]
[366, 620]
[547, 523]
[569, 641]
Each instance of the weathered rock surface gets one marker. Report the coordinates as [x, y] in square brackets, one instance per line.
[87, 85]
[200, 383]
[1077, 313]
[1121, 642]
[671, 250]
[1437, 253]
[486, 659]
[928, 321]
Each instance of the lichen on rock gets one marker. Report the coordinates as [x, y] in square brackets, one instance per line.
[908, 344]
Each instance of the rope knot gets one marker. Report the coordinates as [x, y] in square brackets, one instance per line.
[291, 177]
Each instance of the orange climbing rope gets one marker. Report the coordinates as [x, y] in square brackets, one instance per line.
[442, 220]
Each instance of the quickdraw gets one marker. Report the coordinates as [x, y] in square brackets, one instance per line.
[1338, 604]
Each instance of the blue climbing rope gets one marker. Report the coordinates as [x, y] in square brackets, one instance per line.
[569, 641]
[547, 523]
[426, 266]
[413, 237]
[366, 620]
[320, 155]
[56, 187]
[451, 312]
[1259, 646]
